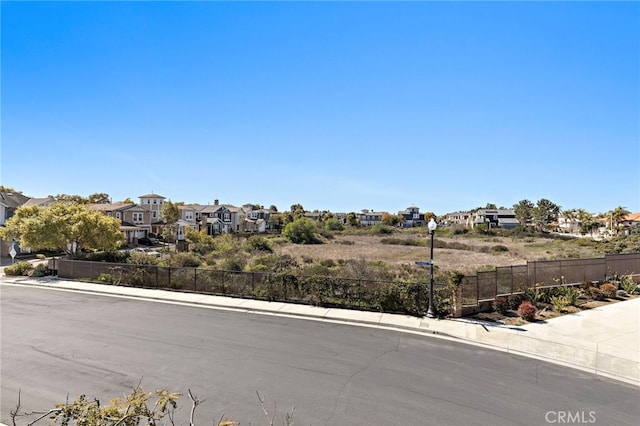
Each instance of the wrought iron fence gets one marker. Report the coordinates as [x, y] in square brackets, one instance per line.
[406, 297]
[368, 294]
[508, 280]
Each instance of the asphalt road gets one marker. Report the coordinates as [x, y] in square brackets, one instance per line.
[57, 343]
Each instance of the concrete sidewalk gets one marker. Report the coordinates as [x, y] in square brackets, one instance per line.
[604, 341]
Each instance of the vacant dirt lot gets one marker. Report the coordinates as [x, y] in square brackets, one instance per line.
[478, 256]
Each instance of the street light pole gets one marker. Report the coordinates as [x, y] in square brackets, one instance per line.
[431, 312]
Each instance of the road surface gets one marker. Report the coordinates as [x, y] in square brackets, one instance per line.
[57, 343]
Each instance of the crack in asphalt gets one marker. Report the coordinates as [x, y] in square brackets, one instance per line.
[369, 364]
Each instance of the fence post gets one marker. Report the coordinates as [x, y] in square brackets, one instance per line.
[456, 307]
[195, 279]
[169, 277]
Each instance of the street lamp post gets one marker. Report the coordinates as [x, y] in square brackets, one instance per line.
[431, 312]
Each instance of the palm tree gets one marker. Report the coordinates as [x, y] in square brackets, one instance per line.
[617, 215]
[570, 217]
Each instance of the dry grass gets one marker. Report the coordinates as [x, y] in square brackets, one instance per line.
[478, 257]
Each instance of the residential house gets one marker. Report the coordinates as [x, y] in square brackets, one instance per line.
[9, 203]
[370, 218]
[135, 221]
[628, 222]
[458, 218]
[255, 220]
[495, 218]
[412, 217]
[153, 203]
[219, 218]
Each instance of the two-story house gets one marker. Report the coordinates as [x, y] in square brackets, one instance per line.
[412, 217]
[153, 204]
[255, 220]
[370, 218]
[219, 218]
[457, 218]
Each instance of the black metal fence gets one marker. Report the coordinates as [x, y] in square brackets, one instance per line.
[508, 280]
[377, 295]
[367, 294]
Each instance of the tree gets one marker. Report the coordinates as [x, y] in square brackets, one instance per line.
[8, 189]
[617, 215]
[78, 199]
[352, 219]
[301, 231]
[524, 212]
[570, 217]
[170, 214]
[297, 211]
[333, 224]
[545, 213]
[273, 208]
[389, 219]
[101, 198]
[63, 227]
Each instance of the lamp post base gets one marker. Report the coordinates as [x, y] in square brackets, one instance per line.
[431, 314]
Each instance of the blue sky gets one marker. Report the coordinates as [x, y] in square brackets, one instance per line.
[338, 106]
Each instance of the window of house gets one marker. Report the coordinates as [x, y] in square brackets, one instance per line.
[153, 214]
[137, 217]
[227, 217]
[188, 215]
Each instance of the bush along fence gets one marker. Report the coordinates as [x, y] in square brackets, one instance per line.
[383, 296]
[511, 280]
[454, 294]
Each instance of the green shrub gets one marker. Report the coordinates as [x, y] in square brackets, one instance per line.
[527, 311]
[258, 243]
[628, 285]
[21, 268]
[302, 231]
[559, 303]
[532, 295]
[572, 294]
[499, 248]
[380, 229]
[184, 259]
[140, 258]
[333, 224]
[40, 270]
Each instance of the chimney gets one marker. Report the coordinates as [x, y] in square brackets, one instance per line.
[216, 202]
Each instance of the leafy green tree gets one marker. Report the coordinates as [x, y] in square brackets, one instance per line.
[101, 198]
[170, 214]
[333, 224]
[352, 219]
[63, 227]
[297, 211]
[523, 211]
[301, 231]
[545, 213]
[78, 199]
[273, 208]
